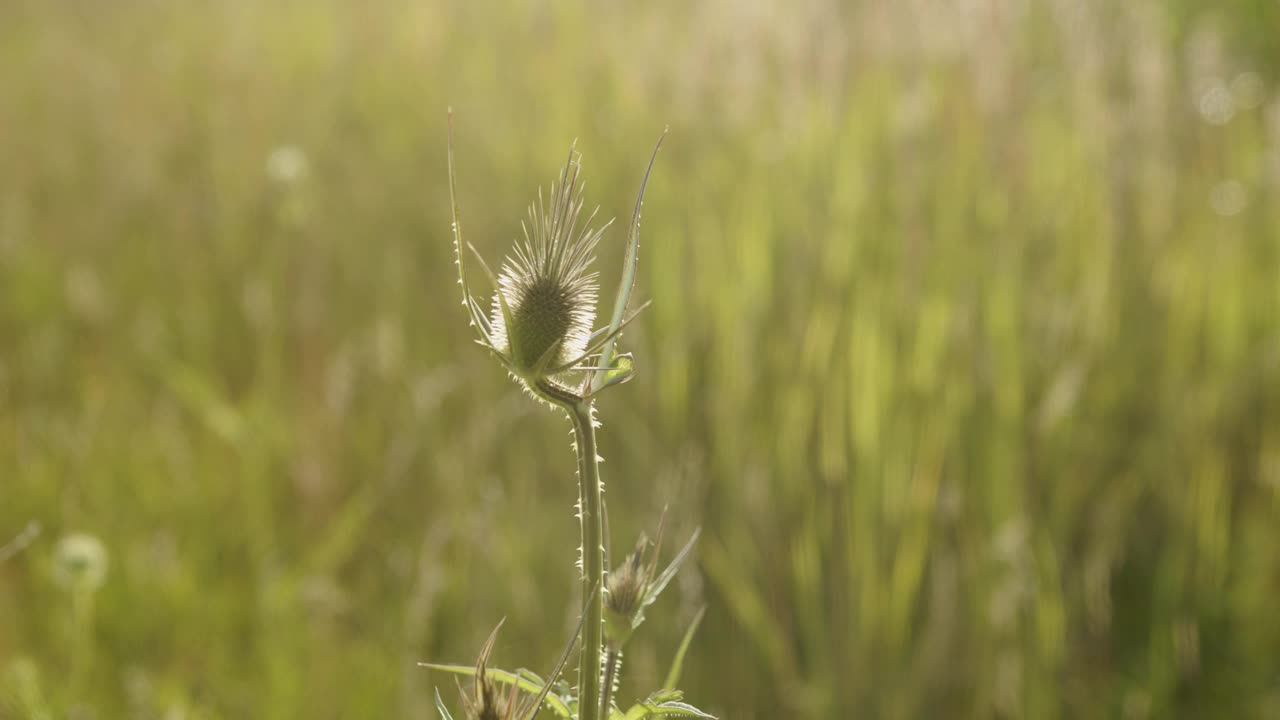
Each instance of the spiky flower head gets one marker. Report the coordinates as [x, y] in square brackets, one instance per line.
[628, 581]
[635, 584]
[540, 317]
[546, 285]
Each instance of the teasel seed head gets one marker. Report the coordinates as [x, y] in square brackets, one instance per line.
[627, 585]
[539, 321]
[547, 286]
[636, 584]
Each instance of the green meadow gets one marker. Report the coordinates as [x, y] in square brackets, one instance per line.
[963, 352]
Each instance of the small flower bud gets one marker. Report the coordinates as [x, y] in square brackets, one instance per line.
[628, 585]
[635, 584]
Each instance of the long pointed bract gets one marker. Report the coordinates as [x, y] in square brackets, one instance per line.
[629, 262]
[598, 344]
[559, 668]
[467, 300]
[502, 301]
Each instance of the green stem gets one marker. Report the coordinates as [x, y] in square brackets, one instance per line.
[610, 679]
[592, 519]
[82, 624]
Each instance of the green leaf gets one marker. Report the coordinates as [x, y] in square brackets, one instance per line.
[681, 709]
[508, 678]
[444, 711]
[628, 280]
[673, 676]
[637, 712]
[664, 703]
[660, 583]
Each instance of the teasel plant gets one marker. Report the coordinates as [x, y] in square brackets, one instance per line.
[539, 327]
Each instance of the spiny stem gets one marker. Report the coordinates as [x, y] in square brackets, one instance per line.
[592, 521]
[610, 672]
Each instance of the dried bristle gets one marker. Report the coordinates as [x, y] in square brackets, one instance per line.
[549, 292]
[491, 706]
[627, 583]
[486, 703]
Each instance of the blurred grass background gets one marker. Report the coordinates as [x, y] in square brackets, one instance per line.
[964, 351]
